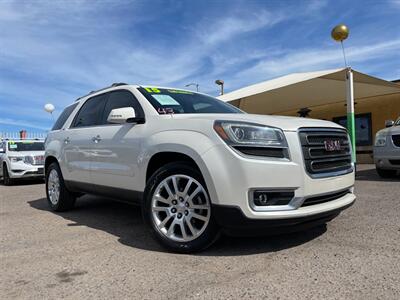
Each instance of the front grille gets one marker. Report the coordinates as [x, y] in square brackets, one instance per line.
[396, 140]
[319, 159]
[324, 198]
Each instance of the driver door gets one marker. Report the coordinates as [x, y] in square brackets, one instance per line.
[116, 152]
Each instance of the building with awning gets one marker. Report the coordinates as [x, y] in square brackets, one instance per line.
[322, 95]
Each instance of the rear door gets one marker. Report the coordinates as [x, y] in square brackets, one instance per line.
[116, 153]
[79, 140]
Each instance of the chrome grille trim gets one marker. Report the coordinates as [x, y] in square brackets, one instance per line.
[319, 162]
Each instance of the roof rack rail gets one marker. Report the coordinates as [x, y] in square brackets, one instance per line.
[107, 87]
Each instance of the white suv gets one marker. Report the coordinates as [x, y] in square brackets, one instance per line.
[197, 165]
[21, 159]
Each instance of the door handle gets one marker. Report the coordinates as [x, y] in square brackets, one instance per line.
[96, 138]
[66, 140]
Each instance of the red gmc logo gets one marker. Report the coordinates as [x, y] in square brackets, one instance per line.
[332, 145]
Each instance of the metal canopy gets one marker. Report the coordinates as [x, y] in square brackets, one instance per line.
[298, 90]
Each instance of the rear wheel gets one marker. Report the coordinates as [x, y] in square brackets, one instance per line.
[6, 176]
[178, 209]
[58, 196]
[386, 173]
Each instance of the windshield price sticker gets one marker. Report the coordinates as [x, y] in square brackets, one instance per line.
[13, 146]
[165, 100]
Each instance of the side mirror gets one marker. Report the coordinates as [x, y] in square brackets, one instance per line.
[389, 123]
[124, 115]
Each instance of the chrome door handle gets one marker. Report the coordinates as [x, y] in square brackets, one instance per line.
[96, 138]
[66, 140]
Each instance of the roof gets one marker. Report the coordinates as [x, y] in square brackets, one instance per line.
[298, 90]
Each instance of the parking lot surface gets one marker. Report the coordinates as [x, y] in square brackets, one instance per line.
[102, 250]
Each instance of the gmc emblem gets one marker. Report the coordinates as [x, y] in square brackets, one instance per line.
[332, 145]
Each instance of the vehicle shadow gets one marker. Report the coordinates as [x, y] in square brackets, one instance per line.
[372, 175]
[25, 181]
[125, 222]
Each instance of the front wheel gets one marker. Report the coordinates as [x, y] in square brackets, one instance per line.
[7, 180]
[178, 209]
[58, 196]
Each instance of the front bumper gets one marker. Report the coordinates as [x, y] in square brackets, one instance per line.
[234, 222]
[231, 177]
[388, 156]
[22, 170]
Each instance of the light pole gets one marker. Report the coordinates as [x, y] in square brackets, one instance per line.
[195, 84]
[339, 33]
[221, 84]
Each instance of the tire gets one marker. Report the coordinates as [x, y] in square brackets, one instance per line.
[6, 176]
[58, 196]
[386, 173]
[186, 208]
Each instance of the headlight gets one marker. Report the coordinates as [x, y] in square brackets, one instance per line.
[15, 159]
[380, 140]
[253, 139]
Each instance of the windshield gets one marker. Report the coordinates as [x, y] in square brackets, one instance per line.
[25, 146]
[171, 101]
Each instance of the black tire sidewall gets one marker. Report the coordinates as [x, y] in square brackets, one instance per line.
[209, 235]
[386, 173]
[66, 200]
[6, 176]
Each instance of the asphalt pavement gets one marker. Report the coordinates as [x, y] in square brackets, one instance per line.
[102, 250]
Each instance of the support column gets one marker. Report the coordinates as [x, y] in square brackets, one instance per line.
[351, 128]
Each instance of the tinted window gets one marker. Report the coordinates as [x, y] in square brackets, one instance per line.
[167, 101]
[63, 117]
[91, 112]
[119, 99]
[25, 146]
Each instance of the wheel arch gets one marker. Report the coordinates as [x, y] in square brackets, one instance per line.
[49, 160]
[161, 158]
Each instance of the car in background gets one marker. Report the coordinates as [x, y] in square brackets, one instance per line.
[21, 159]
[387, 149]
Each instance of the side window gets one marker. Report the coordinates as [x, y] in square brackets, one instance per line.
[2, 147]
[118, 99]
[64, 116]
[91, 112]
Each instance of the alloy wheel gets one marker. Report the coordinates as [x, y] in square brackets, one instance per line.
[180, 208]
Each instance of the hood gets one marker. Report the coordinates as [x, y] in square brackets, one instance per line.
[283, 122]
[390, 130]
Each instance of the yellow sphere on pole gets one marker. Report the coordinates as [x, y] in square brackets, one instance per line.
[340, 32]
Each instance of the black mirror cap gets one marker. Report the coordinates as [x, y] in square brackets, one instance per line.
[136, 120]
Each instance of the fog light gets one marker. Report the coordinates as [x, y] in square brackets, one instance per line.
[270, 198]
[260, 198]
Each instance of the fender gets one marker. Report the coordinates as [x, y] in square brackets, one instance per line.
[171, 141]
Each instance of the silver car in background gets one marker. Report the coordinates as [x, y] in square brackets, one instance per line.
[21, 159]
[387, 149]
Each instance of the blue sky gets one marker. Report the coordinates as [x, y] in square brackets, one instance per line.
[56, 51]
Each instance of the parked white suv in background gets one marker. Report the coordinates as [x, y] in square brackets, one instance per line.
[387, 149]
[21, 159]
[198, 165]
